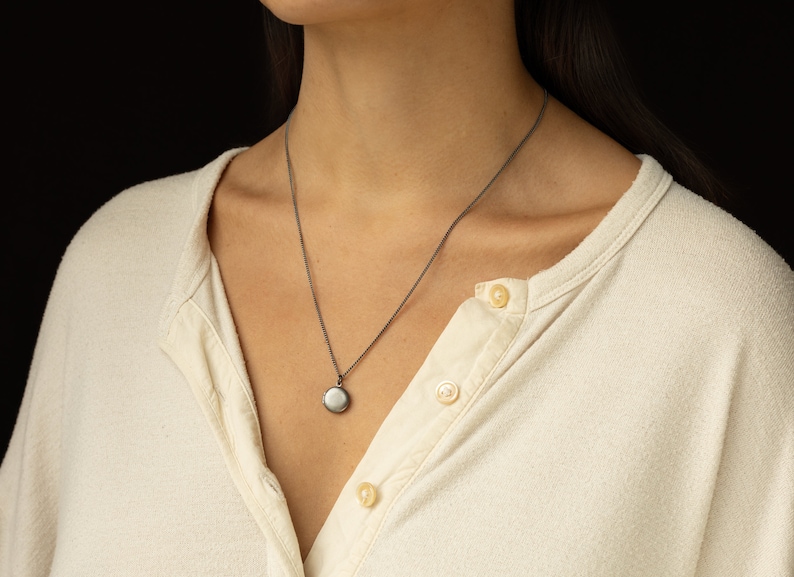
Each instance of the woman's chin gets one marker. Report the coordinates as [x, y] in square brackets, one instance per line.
[308, 12]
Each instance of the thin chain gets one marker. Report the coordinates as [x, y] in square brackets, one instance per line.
[444, 238]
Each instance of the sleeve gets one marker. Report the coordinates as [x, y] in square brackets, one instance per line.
[29, 475]
[750, 528]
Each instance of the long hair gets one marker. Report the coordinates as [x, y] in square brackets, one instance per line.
[569, 47]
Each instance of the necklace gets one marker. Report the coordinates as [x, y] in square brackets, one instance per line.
[336, 399]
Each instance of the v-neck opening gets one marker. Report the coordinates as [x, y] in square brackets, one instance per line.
[464, 359]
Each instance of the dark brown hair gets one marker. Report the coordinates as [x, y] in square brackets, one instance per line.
[569, 47]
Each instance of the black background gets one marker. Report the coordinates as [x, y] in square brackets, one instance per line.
[104, 96]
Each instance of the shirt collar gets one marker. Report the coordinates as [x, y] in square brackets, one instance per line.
[194, 263]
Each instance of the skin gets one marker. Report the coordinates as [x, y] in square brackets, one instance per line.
[407, 109]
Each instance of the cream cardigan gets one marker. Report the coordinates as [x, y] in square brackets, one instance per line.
[629, 411]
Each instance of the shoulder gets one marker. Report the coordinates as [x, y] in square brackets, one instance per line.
[139, 210]
[147, 222]
[702, 273]
[709, 249]
[160, 207]
[128, 247]
[131, 247]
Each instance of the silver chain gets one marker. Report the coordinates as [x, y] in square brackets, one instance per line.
[341, 375]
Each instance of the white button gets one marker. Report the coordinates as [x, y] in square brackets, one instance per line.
[366, 494]
[447, 392]
[498, 296]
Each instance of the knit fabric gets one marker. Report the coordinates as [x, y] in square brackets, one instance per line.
[629, 411]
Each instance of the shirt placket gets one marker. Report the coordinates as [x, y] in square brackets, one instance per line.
[452, 377]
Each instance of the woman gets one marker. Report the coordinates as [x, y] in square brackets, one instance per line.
[217, 390]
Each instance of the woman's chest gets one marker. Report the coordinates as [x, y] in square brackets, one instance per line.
[312, 451]
[368, 314]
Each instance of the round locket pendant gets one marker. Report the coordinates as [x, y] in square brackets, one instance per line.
[336, 399]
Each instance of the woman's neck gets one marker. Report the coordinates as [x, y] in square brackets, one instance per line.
[422, 106]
